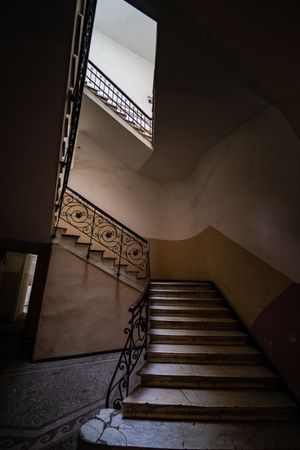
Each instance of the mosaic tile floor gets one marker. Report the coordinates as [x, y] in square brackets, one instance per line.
[42, 405]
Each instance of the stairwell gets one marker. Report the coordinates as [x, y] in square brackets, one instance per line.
[93, 235]
[203, 375]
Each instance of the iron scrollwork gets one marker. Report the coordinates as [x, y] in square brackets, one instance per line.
[136, 342]
[101, 83]
[125, 245]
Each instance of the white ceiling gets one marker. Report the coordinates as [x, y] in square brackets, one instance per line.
[128, 26]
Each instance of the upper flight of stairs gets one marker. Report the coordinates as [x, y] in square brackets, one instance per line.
[201, 364]
[78, 244]
[118, 110]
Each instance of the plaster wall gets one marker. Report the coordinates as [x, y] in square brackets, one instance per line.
[151, 208]
[246, 187]
[84, 310]
[36, 50]
[132, 73]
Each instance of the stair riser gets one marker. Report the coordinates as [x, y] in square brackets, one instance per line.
[187, 302]
[198, 340]
[187, 313]
[195, 325]
[175, 284]
[182, 293]
[177, 288]
[204, 359]
[190, 382]
[192, 413]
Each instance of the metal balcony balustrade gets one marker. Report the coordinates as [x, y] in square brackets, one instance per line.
[108, 91]
[104, 233]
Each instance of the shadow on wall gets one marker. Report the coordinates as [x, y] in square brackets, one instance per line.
[266, 300]
[277, 330]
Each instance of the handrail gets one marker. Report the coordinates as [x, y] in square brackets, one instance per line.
[119, 89]
[104, 232]
[135, 344]
[132, 113]
[74, 97]
[97, 208]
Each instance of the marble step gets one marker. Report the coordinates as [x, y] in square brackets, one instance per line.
[208, 405]
[207, 376]
[217, 337]
[180, 301]
[185, 292]
[203, 354]
[192, 311]
[110, 429]
[182, 284]
[199, 323]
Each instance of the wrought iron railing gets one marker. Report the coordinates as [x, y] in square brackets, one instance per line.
[104, 232]
[107, 89]
[80, 51]
[136, 343]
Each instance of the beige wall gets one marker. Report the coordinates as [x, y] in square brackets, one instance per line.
[84, 310]
[247, 282]
[149, 207]
[246, 187]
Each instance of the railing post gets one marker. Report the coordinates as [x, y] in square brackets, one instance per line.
[91, 236]
[120, 257]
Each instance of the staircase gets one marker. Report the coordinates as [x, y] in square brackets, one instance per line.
[93, 235]
[201, 364]
[119, 102]
[204, 384]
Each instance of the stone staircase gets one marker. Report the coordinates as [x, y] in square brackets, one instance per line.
[201, 364]
[77, 243]
[204, 384]
[118, 110]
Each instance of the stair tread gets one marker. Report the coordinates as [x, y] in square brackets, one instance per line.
[206, 370]
[168, 298]
[181, 283]
[189, 308]
[198, 348]
[210, 398]
[181, 332]
[195, 290]
[193, 319]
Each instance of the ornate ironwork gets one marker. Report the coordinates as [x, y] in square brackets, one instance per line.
[81, 45]
[76, 95]
[136, 343]
[107, 89]
[102, 229]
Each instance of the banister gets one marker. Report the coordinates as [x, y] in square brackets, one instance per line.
[104, 233]
[119, 89]
[138, 302]
[101, 211]
[115, 97]
[136, 343]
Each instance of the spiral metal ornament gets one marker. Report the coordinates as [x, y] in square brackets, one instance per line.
[102, 229]
[136, 343]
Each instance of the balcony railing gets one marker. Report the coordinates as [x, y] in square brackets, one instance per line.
[106, 89]
[104, 233]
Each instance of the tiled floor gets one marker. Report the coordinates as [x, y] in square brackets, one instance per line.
[42, 405]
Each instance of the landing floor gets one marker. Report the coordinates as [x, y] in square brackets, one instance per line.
[109, 430]
[42, 405]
